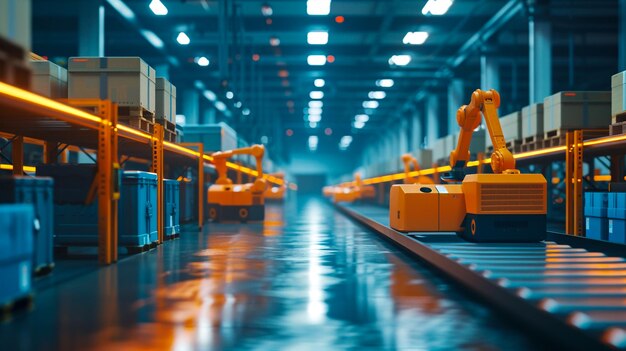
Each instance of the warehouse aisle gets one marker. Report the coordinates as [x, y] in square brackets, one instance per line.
[308, 278]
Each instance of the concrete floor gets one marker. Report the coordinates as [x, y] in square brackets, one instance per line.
[307, 278]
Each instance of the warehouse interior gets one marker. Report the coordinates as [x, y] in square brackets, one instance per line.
[313, 174]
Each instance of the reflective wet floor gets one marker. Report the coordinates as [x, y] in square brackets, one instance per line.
[308, 278]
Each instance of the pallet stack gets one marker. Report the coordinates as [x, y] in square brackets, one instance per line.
[618, 104]
[532, 127]
[14, 68]
[128, 81]
[49, 79]
[512, 131]
[165, 111]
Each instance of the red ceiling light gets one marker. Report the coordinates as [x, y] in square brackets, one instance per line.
[267, 10]
[283, 73]
[256, 57]
[285, 83]
[268, 21]
[330, 59]
[339, 19]
[328, 131]
[274, 41]
[289, 132]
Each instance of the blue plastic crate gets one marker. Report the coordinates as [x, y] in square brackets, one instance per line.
[16, 251]
[171, 201]
[617, 206]
[77, 225]
[617, 231]
[71, 181]
[138, 204]
[36, 191]
[597, 228]
[596, 204]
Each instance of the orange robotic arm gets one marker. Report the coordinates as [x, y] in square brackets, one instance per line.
[220, 158]
[468, 117]
[408, 159]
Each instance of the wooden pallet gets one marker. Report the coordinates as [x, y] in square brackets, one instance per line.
[532, 146]
[140, 249]
[15, 72]
[514, 146]
[172, 236]
[135, 111]
[138, 123]
[587, 133]
[555, 140]
[619, 118]
[617, 128]
[169, 128]
[532, 139]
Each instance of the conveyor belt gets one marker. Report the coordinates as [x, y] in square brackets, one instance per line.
[571, 295]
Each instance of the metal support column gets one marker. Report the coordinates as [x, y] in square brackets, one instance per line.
[540, 52]
[191, 106]
[455, 100]
[50, 151]
[574, 183]
[157, 167]
[108, 184]
[432, 120]
[18, 155]
[489, 75]
[621, 38]
[91, 29]
[617, 167]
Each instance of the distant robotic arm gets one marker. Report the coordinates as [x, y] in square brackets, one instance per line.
[469, 117]
[220, 158]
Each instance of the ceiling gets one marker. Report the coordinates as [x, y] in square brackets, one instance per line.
[276, 87]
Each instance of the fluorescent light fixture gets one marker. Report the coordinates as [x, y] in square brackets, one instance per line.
[220, 106]
[316, 104]
[198, 84]
[400, 60]
[314, 111]
[370, 104]
[384, 83]
[316, 95]
[245, 112]
[209, 95]
[315, 118]
[183, 39]
[345, 141]
[274, 41]
[436, 7]
[377, 95]
[180, 120]
[238, 104]
[415, 38]
[123, 10]
[362, 118]
[229, 95]
[359, 125]
[317, 38]
[313, 125]
[319, 83]
[203, 61]
[264, 139]
[158, 8]
[152, 38]
[316, 60]
[318, 7]
[313, 139]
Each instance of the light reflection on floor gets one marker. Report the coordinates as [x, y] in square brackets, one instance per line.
[308, 278]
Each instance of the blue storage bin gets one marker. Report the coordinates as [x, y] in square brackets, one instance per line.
[171, 201]
[36, 191]
[16, 251]
[597, 228]
[188, 204]
[138, 206]
[71, 181]
[77, 225]
[617, 231]
[617, 206]
[596, 204]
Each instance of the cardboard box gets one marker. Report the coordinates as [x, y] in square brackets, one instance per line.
[511, 128]
[165, 107]
[618, 95]
[570, 110]
[532, 122]
[215, 137]
[49, 79]
[128, 81]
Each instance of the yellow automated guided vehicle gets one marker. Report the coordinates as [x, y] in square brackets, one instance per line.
[240, 202]
[505, 206]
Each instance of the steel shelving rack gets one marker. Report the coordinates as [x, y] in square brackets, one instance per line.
[30, 118]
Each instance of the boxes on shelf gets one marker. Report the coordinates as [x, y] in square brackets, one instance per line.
[14, 68]
[15, 22]
[618, 97]
[569, 110]
[165, 107]
[128, 81]
[16, 252]
[36, 191]
[596, 221]
[77, 225]
[532, 123]
[511, 129]
[49, 79]
[171, 201]
[442, 148]
[214, 137]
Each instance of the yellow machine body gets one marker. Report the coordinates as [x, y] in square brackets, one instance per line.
[276, 192]
[513, 194]
[351, 192]
[427, 207]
